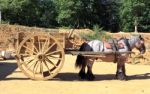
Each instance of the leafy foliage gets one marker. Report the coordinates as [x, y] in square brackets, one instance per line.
[112, 15]
[132, 10]
[29, 12]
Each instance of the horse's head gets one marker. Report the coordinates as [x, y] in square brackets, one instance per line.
[139, 44]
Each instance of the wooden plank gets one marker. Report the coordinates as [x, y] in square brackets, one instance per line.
[71, 49]
[87, 53]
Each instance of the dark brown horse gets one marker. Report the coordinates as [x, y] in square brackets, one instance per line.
[122, 45]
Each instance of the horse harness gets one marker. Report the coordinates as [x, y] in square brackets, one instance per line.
[115, 46]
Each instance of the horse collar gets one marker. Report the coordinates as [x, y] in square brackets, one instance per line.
[127, 44]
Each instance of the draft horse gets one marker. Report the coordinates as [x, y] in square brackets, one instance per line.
[121, 45]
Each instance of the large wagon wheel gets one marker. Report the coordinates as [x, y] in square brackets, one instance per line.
[40, 57]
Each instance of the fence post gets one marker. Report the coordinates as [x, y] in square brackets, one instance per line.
[135, 26]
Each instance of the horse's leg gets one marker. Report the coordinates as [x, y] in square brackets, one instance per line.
[90, 75]
[124, 69]
[121, 74]
[82, 73]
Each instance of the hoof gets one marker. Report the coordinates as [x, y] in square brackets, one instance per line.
[82, 75]
[90, 77]
[121, 76]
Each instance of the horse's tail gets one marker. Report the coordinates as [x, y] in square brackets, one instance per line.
[80, 61]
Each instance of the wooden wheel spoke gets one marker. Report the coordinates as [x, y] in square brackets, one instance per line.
[33, 45]
[47, 66]
[46, 42]
[31, 64]
[35, 67]
[29, 49]
[54, 52]
[41, 67]
[39, 43]
[51, 62]
[29, 61]
[49, 47]
[54, 57]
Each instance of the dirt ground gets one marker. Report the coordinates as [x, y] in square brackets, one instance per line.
[13, 81]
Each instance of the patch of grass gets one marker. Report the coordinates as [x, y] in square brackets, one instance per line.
[97, 34]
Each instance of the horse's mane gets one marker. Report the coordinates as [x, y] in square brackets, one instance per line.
[122, 38]
[135, 37]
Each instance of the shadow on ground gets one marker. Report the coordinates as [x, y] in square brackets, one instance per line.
[98, 77]
[7, 69]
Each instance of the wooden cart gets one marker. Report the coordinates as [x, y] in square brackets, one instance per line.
[40, 55]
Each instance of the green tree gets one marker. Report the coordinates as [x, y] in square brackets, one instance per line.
[87, 13]
[29, 12]
[108, 11]
[144, 19]
[135, 10]
[66, 12]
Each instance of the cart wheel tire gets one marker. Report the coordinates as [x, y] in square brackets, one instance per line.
[40, 57]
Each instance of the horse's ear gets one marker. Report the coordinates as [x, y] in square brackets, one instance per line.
[140, 36]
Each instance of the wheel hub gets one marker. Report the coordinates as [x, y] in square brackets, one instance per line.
[41, 57]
